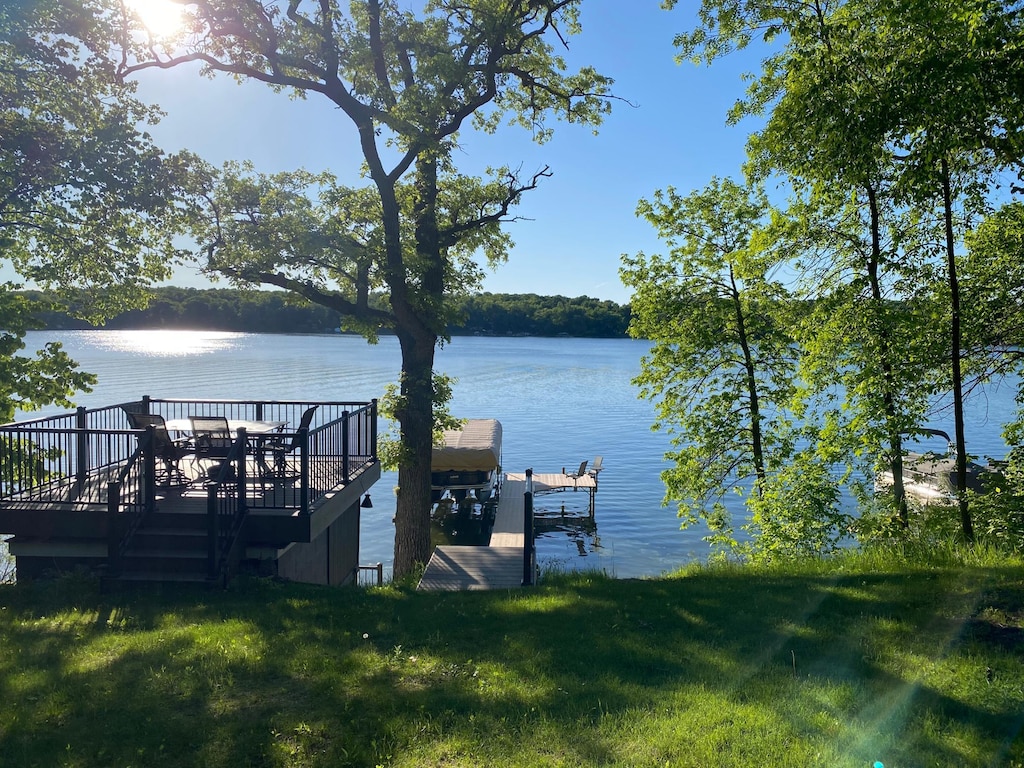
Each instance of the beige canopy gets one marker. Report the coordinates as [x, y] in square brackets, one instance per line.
[477, 446]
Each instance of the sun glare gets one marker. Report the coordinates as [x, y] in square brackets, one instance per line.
[163, 18]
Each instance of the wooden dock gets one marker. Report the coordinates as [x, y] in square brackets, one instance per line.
[500, 564]
[560, 482]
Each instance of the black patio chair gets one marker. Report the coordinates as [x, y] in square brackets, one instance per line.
[211, 441]
[169, 452]
[280, 448]
[581, 472]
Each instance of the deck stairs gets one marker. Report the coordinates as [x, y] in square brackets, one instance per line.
[166, 547]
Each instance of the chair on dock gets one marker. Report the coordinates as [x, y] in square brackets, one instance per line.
[581, 472]
[596, 467]
[169, 452]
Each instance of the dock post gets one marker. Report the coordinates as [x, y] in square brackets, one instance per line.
[529, 549]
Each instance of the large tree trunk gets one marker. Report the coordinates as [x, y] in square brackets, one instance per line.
[419, 322]
[966, 525]
[412, 514]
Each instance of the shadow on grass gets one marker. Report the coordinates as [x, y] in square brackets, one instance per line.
[734, 668]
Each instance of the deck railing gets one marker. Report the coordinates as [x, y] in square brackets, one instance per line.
[61, 465]
[92, 457]
[131, 495]
[44, 460]
[226, 508]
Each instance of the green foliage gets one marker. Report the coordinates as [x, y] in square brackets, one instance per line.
[252, 311]
[86, 199]
[993, 276]
[28, 383]
[390, 447]
[889, 120]
[721, 370]
[797, 514]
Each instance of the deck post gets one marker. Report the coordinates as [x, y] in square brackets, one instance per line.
[81, 447]
[373, 430]
[149, 461]
[529, 557]
[345, 448]
[303, 437]
[114, 531]
[241, 474]
[212, 530]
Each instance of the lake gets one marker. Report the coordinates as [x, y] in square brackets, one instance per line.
[560, 401]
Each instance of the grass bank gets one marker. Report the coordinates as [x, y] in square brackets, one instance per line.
[845, 663]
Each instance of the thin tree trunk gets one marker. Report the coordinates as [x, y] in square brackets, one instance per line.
[756, 442]
[954, 353]
[885, 355]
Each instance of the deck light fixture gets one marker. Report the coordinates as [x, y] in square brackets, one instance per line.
[366, 503]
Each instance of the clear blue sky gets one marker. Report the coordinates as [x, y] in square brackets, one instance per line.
[582, 219]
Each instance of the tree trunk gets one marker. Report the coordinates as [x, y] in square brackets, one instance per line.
[419, 322]
[756, 441]
[954, 357]
[885, 360]
[415, 417]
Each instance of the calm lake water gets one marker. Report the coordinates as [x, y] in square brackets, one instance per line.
[560, 401]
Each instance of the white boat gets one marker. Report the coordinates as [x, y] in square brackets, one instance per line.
[466, 466]
[930, 477]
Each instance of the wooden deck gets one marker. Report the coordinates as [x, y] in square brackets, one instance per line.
[507, 530]
[558, 482]
[461, 568]
[496, 566]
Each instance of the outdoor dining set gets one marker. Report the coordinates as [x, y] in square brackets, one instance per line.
[208, 443]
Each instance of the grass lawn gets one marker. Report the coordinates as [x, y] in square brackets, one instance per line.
[842, 663]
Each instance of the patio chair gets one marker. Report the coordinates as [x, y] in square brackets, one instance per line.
[581, 472]
[280, 449]
[596, 467]
[211, 440]
[169, 452]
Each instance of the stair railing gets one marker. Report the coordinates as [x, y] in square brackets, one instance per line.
[130, 497]
[226, 508]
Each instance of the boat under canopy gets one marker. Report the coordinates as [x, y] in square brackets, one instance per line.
[930, 477]
[467, 462]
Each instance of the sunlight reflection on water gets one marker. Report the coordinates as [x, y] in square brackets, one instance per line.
[161, 343]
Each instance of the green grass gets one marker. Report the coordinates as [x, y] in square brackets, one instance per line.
[816, 664]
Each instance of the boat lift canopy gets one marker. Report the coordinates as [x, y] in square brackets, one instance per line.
[475, 447]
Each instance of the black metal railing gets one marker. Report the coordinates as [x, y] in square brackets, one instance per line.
[226, 508]
[62, 465]
[130, 497]
[45, 459]
[92, 456]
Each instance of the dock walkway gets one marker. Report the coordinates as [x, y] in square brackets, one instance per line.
[500, 564]
[496, 566]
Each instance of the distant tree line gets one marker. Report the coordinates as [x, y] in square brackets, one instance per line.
[229, 309]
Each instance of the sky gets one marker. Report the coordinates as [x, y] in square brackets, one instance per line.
[669, 130]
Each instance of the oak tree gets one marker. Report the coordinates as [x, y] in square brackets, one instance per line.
[407, 83]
